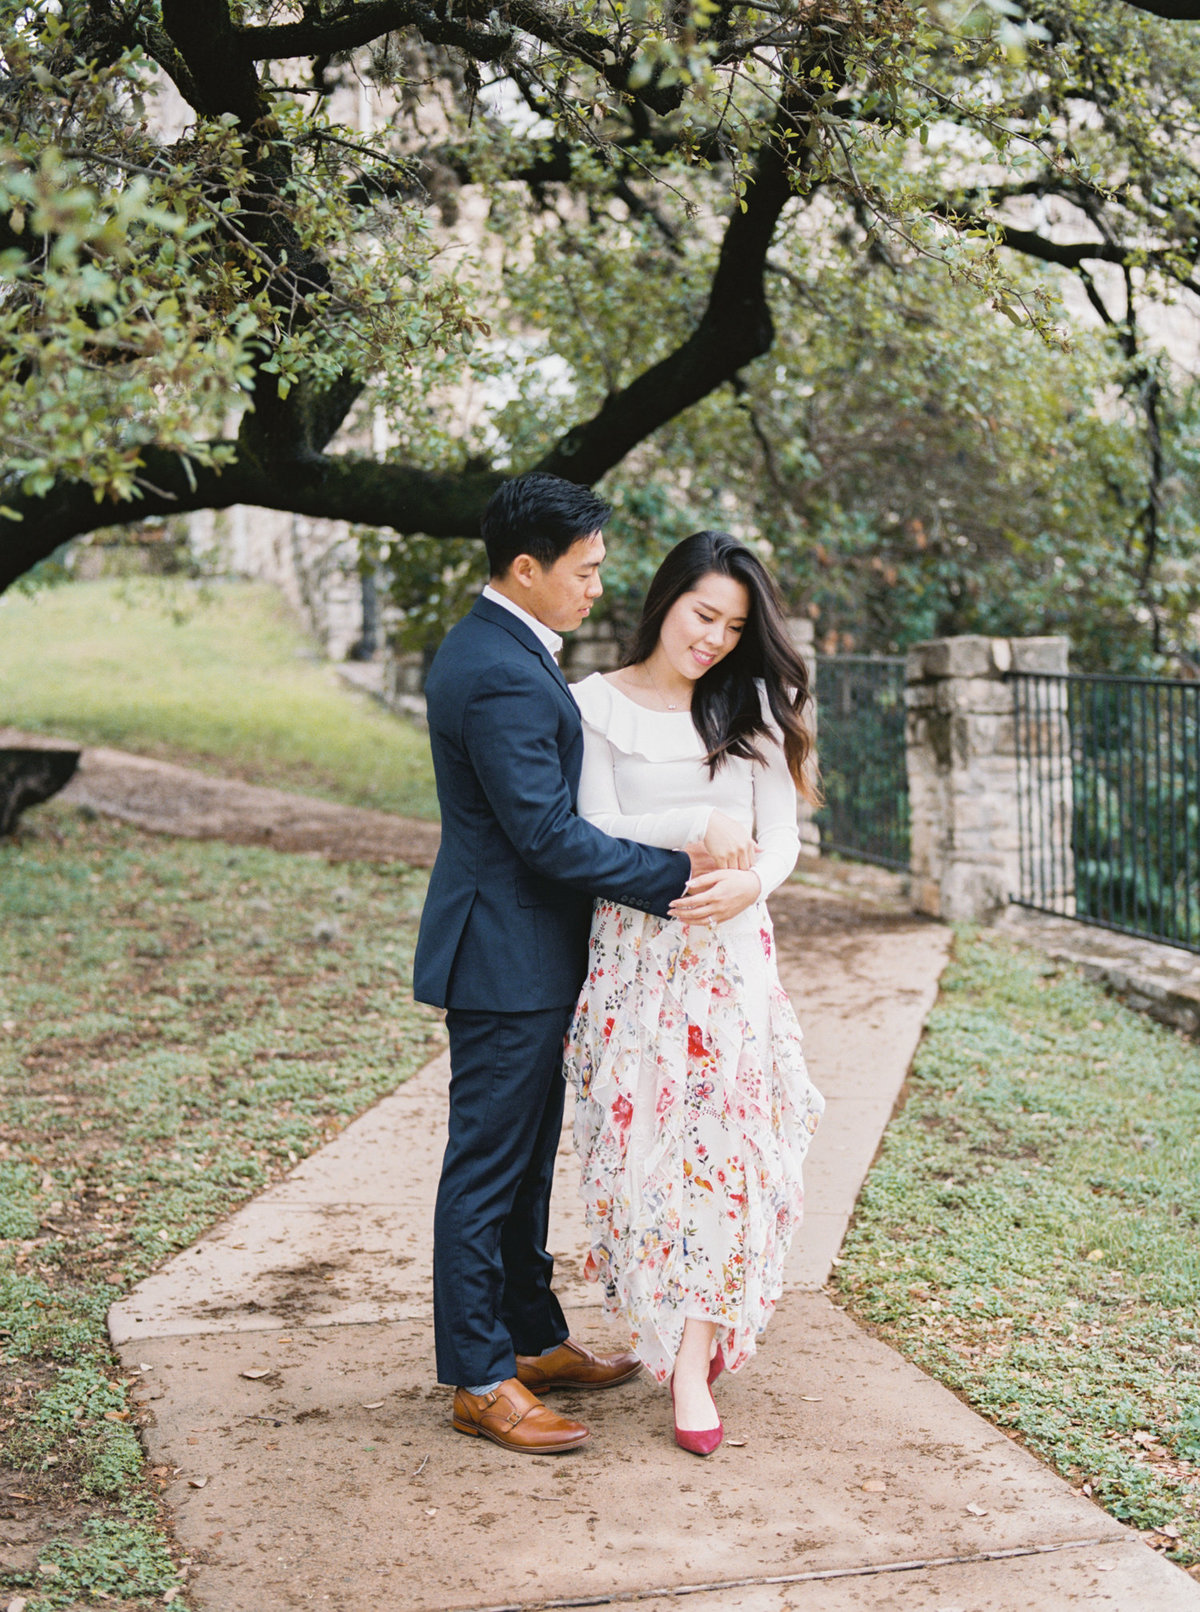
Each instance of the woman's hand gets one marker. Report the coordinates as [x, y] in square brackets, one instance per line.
[728, 843]
[713, 898]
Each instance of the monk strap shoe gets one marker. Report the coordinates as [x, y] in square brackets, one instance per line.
[573, 1366]
[516, 1420]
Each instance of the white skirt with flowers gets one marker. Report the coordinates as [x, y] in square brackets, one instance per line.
[693, 1114]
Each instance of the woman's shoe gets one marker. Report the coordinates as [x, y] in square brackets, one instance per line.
[715, 1367]
[702, 1442]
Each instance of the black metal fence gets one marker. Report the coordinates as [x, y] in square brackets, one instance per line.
[1109, 801]
[860, 741]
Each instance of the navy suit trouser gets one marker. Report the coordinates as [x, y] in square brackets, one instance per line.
[491, 1268]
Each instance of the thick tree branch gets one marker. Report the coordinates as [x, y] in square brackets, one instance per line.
[349, 27]
[736, 326]
[1172, 10]
[343, 488]
[223, 78]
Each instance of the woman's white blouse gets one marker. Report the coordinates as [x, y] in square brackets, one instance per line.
[645, 778]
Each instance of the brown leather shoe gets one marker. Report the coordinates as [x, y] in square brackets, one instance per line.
[513, 1417]
[573, 1366]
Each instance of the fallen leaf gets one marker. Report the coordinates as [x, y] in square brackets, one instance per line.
[257, 1372]
[116, 1416]
[49, 1569]
[144, 1367]
[431, 1511]
[736, 1443]
[874, 1486]
[198, 1483]
[1104, 1567]
[976, 1511]
[193, 1441]
[811, 1399]
[373, 1405]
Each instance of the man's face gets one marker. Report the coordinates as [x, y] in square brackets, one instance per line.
[562, 594]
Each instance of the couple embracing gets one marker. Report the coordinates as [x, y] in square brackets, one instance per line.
[598, 908]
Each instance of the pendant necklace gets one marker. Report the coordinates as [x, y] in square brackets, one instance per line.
[657, 690]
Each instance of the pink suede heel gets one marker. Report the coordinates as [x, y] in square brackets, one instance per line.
[703, 1442]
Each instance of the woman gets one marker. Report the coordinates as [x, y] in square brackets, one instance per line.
[694, 1108]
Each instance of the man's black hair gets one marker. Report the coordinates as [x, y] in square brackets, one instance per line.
[539, 515]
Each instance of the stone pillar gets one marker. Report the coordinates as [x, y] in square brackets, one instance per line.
[803, 636]
[964, 791]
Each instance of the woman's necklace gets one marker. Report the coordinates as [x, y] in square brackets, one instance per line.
[669, 705]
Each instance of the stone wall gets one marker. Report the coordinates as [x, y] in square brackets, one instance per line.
[964, 789]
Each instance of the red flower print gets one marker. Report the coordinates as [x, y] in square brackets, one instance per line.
[765, 937]
[622, 1112]
[696, 1047]
[608, 1027]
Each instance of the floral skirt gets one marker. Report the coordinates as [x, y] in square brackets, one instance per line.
[693, 1114]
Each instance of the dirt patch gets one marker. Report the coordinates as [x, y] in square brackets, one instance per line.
[167, 799]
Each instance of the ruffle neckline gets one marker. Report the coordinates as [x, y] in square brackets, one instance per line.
[635, 729]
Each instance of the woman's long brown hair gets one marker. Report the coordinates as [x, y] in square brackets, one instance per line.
[726, 707]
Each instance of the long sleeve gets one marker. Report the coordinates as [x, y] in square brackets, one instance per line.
[599, 802]
[519, 768]
[774, 817]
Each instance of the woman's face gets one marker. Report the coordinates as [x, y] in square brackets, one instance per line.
[702, 626]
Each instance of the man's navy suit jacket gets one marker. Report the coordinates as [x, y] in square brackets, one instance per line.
[506, 920]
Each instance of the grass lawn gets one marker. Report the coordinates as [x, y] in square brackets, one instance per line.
[218, 676]
[174, 1034]
[1030, 1233]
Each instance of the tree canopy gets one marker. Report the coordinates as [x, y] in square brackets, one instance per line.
[572, 232]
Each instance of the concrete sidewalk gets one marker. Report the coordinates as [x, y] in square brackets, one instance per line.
[287, 1363]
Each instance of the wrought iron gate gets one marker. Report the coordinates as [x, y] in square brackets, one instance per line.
[860, 743]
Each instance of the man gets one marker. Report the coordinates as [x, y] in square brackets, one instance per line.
[503, 947]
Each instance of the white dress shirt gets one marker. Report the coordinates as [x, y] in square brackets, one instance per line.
[545, 634]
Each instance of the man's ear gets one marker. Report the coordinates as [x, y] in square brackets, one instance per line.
[524, 570]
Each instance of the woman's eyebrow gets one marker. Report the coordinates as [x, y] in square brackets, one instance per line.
[702, 604]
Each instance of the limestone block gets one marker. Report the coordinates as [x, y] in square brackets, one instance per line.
[1040, 654]
[970, 891]
[927, 896]
[977, 695]
[968, 656]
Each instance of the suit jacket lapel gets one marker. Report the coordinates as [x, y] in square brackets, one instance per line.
[500, 617]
